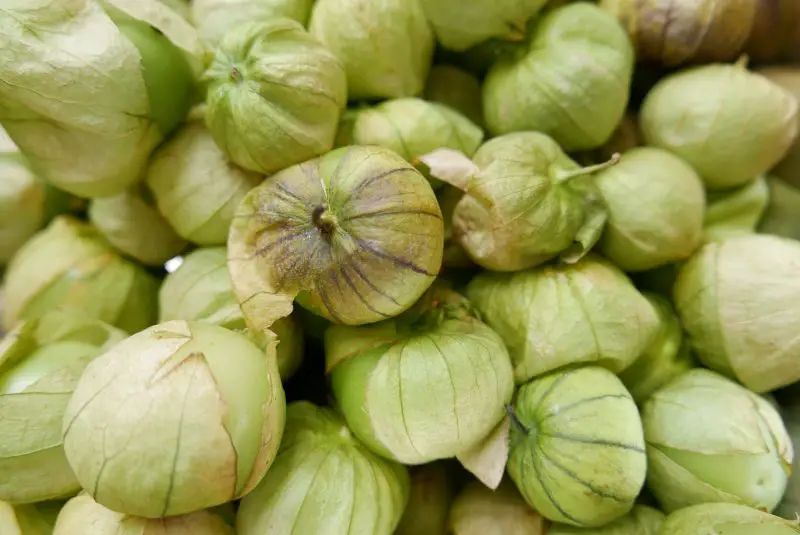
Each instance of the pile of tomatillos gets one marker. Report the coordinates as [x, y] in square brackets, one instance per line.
[412, 267]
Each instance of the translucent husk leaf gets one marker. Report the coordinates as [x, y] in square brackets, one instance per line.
[788, 169]
[481, 511]
[319, 455]
[22, 199]
[487, 460]
[82, 515]
[727, 518]
[355, 235]
[710, 439]
[737, 212]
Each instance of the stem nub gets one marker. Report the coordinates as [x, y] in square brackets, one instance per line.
[325, 220]
[569, 175]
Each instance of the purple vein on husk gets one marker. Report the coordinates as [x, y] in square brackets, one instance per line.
[396, 260]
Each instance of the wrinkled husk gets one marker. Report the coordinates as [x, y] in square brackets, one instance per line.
[571, 80]
[22, 197]
[655, 204]
[730, 124]
[83, 516]
[775, 32]
[200, 290]
[728, 519]
[136, 228]
[432, 492]
[479, 510]
[393, 66]
[781, 215]
[642, 520]
[196, 188]
[736, 212]
[711, 440]
[667, 356]
[68, 265]
[200, 406]
[738, 301]
[789, 507]
[135, 78]
[215, 18]
[460, 26]
[319, 456]
[41, 361]
[412, 417]
[556, 316]
[355, 235]
[675, 32]
[788, 168]
[33, 519]
[577, 451]
[456, 88]
[275, 95]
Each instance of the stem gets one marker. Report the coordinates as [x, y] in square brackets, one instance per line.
[743, 61]
[512, 414]
[324, 220]
[569, 175]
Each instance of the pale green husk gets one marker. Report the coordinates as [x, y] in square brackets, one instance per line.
[69, 265]
[83, 516]
[479, 510]
[87, 98]
[196, 188]
[428, 385]
[200, 290]
[736, 212]
[135, 227]
[318, 459]
[456, 88]
[726, 519]
[432, 492]
[275, 95]
[711, 440]
[577, 450]
[174, 397]
[32, 519]
[738, 301]
[555, 316]
[41, 361]
[22, 197]
[731, 125]
[385, 46]
[642, 520]
[667, 356]
[781, 215]
[570, 80]
[787, 77]
[789, 507]
[655, 204]
[215, 18]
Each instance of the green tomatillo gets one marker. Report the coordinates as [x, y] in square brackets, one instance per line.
[456, 88]
[788, 78]
[31, 519]
[736, 212]
[432, 492]
[479, 510]
[642, 520]
[199, 406]
[727, 519]
[780, 216]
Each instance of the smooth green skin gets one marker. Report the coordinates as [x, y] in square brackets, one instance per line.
[737, 212]
[731, 125]
[200, 290]
[167, 75]
[726, 519]
[413, 127]
[419, 389]
[432, 492]
[570, 81]
[781, 215]
[196, 188]
[556, 316]
[788, 78]
[34, 519]
[175, 397]
[694, 32]
[136, 228]
[386, 46]
[82, 516]
[69, 265]
[666, 357]
[324, 481]
[536, 210]
[479, 510]
[577, 453]
[642, 520]
[459, 26]
[275, 95]
[359, 236]
[711, 440]
[656, 204]
[215, 18]
[456, 88]
[737, 300]
[22, 197]
[40, 364]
